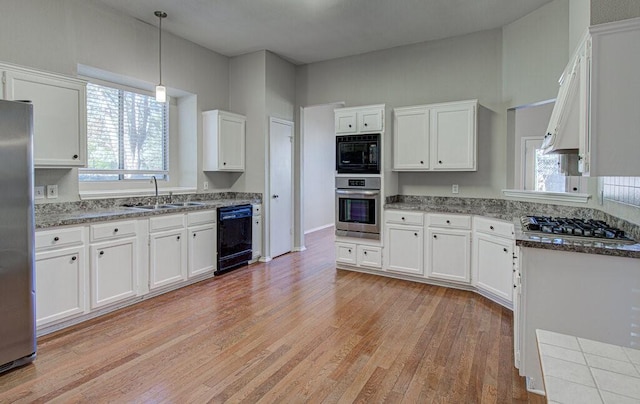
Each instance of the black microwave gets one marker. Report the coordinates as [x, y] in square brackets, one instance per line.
[358, 154]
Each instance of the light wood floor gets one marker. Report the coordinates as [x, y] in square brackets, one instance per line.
[290, 331]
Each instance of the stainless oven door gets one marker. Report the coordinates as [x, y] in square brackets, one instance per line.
[358, 213]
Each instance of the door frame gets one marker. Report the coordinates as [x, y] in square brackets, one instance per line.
[266, 224]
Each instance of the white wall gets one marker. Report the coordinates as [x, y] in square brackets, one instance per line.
[535, 53]
[319, 161]
[579, 21]
[58, 35]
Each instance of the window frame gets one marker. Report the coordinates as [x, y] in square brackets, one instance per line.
[142, 175]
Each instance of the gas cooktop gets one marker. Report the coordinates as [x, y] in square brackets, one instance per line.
[574, 229]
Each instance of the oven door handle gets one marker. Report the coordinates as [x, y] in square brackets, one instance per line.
[358, 192]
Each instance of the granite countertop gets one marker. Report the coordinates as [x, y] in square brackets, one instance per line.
[579, 370]
[513, 210]
[73, 216]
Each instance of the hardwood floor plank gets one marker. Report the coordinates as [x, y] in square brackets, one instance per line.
[293, 330]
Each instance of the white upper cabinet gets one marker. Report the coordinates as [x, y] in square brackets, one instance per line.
[411, 138]
[223, 141]
[453, 136]
[367, 119]
[59, 114]
[613, 65]
[436, 137]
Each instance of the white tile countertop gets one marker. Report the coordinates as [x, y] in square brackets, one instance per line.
[578, 370]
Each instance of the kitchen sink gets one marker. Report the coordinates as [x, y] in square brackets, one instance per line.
[185, 204]
[156, 207]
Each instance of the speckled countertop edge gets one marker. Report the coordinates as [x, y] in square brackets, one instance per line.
[512, 211]
[79, 213]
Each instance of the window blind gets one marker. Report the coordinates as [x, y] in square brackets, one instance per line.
[127, 135]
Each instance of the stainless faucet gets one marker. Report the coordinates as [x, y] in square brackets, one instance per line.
[155, 182]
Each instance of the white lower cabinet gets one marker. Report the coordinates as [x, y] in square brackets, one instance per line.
[168, 258]
[202, 249]
[60, 274]
[346, 253]
[202, 245]
[493, 259]
[369, 256]
[167, 250]
[114, 275]
[404, 246]
[448, 255]
[60, 284]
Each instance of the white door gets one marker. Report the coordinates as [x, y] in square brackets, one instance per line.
[280, 187]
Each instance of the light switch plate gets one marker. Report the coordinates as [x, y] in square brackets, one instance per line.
[454, 189]
[38, 192]
[52, 191]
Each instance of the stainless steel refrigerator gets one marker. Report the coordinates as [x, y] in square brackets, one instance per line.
[17, 285]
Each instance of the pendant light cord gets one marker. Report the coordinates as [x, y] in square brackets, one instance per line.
[160, 15]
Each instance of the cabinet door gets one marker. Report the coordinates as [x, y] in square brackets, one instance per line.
[411, 139]
[493, 265]
[448, 255]
[453, 137]
[168, 261]
[369, 256]
[202, 250]
[60, 285]
[370, 120]
[232, 139]
[346, 253]
[59, 117]
[345, 122]
[256, 234]
[404, 249]
[113, 272]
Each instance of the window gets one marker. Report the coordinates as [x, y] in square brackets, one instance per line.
[547, 173]
[127, 135]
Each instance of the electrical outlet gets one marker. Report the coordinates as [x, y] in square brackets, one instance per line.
[205, 185]
[454, 189]
[52, 191]
[38, 192]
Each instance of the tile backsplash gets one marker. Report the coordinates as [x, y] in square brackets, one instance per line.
[624, 190]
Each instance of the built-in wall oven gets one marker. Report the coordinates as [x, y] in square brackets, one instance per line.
[358, 154]
[358, 207]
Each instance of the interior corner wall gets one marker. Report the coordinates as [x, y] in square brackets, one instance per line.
[603, 11]
[247, 96]
[319, 167]
[579, 21]
[535, 53]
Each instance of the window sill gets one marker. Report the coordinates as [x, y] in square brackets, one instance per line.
[123, 193]
[547, 196]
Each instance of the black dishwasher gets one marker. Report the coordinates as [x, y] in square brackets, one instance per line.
[234, 237]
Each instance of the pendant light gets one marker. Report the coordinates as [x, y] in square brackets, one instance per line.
[161, 91]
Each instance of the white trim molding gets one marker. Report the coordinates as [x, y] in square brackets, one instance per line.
[547, 196]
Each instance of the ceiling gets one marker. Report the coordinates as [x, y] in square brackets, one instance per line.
[306, 31]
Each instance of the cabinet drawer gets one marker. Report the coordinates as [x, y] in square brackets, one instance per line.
[166, 222]
[204, 217]
[257, 210]
[449, 221]
[59, 238]
[404, 217]
[369, 256]
[106, 231]
[346, 253]
[493, 226]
